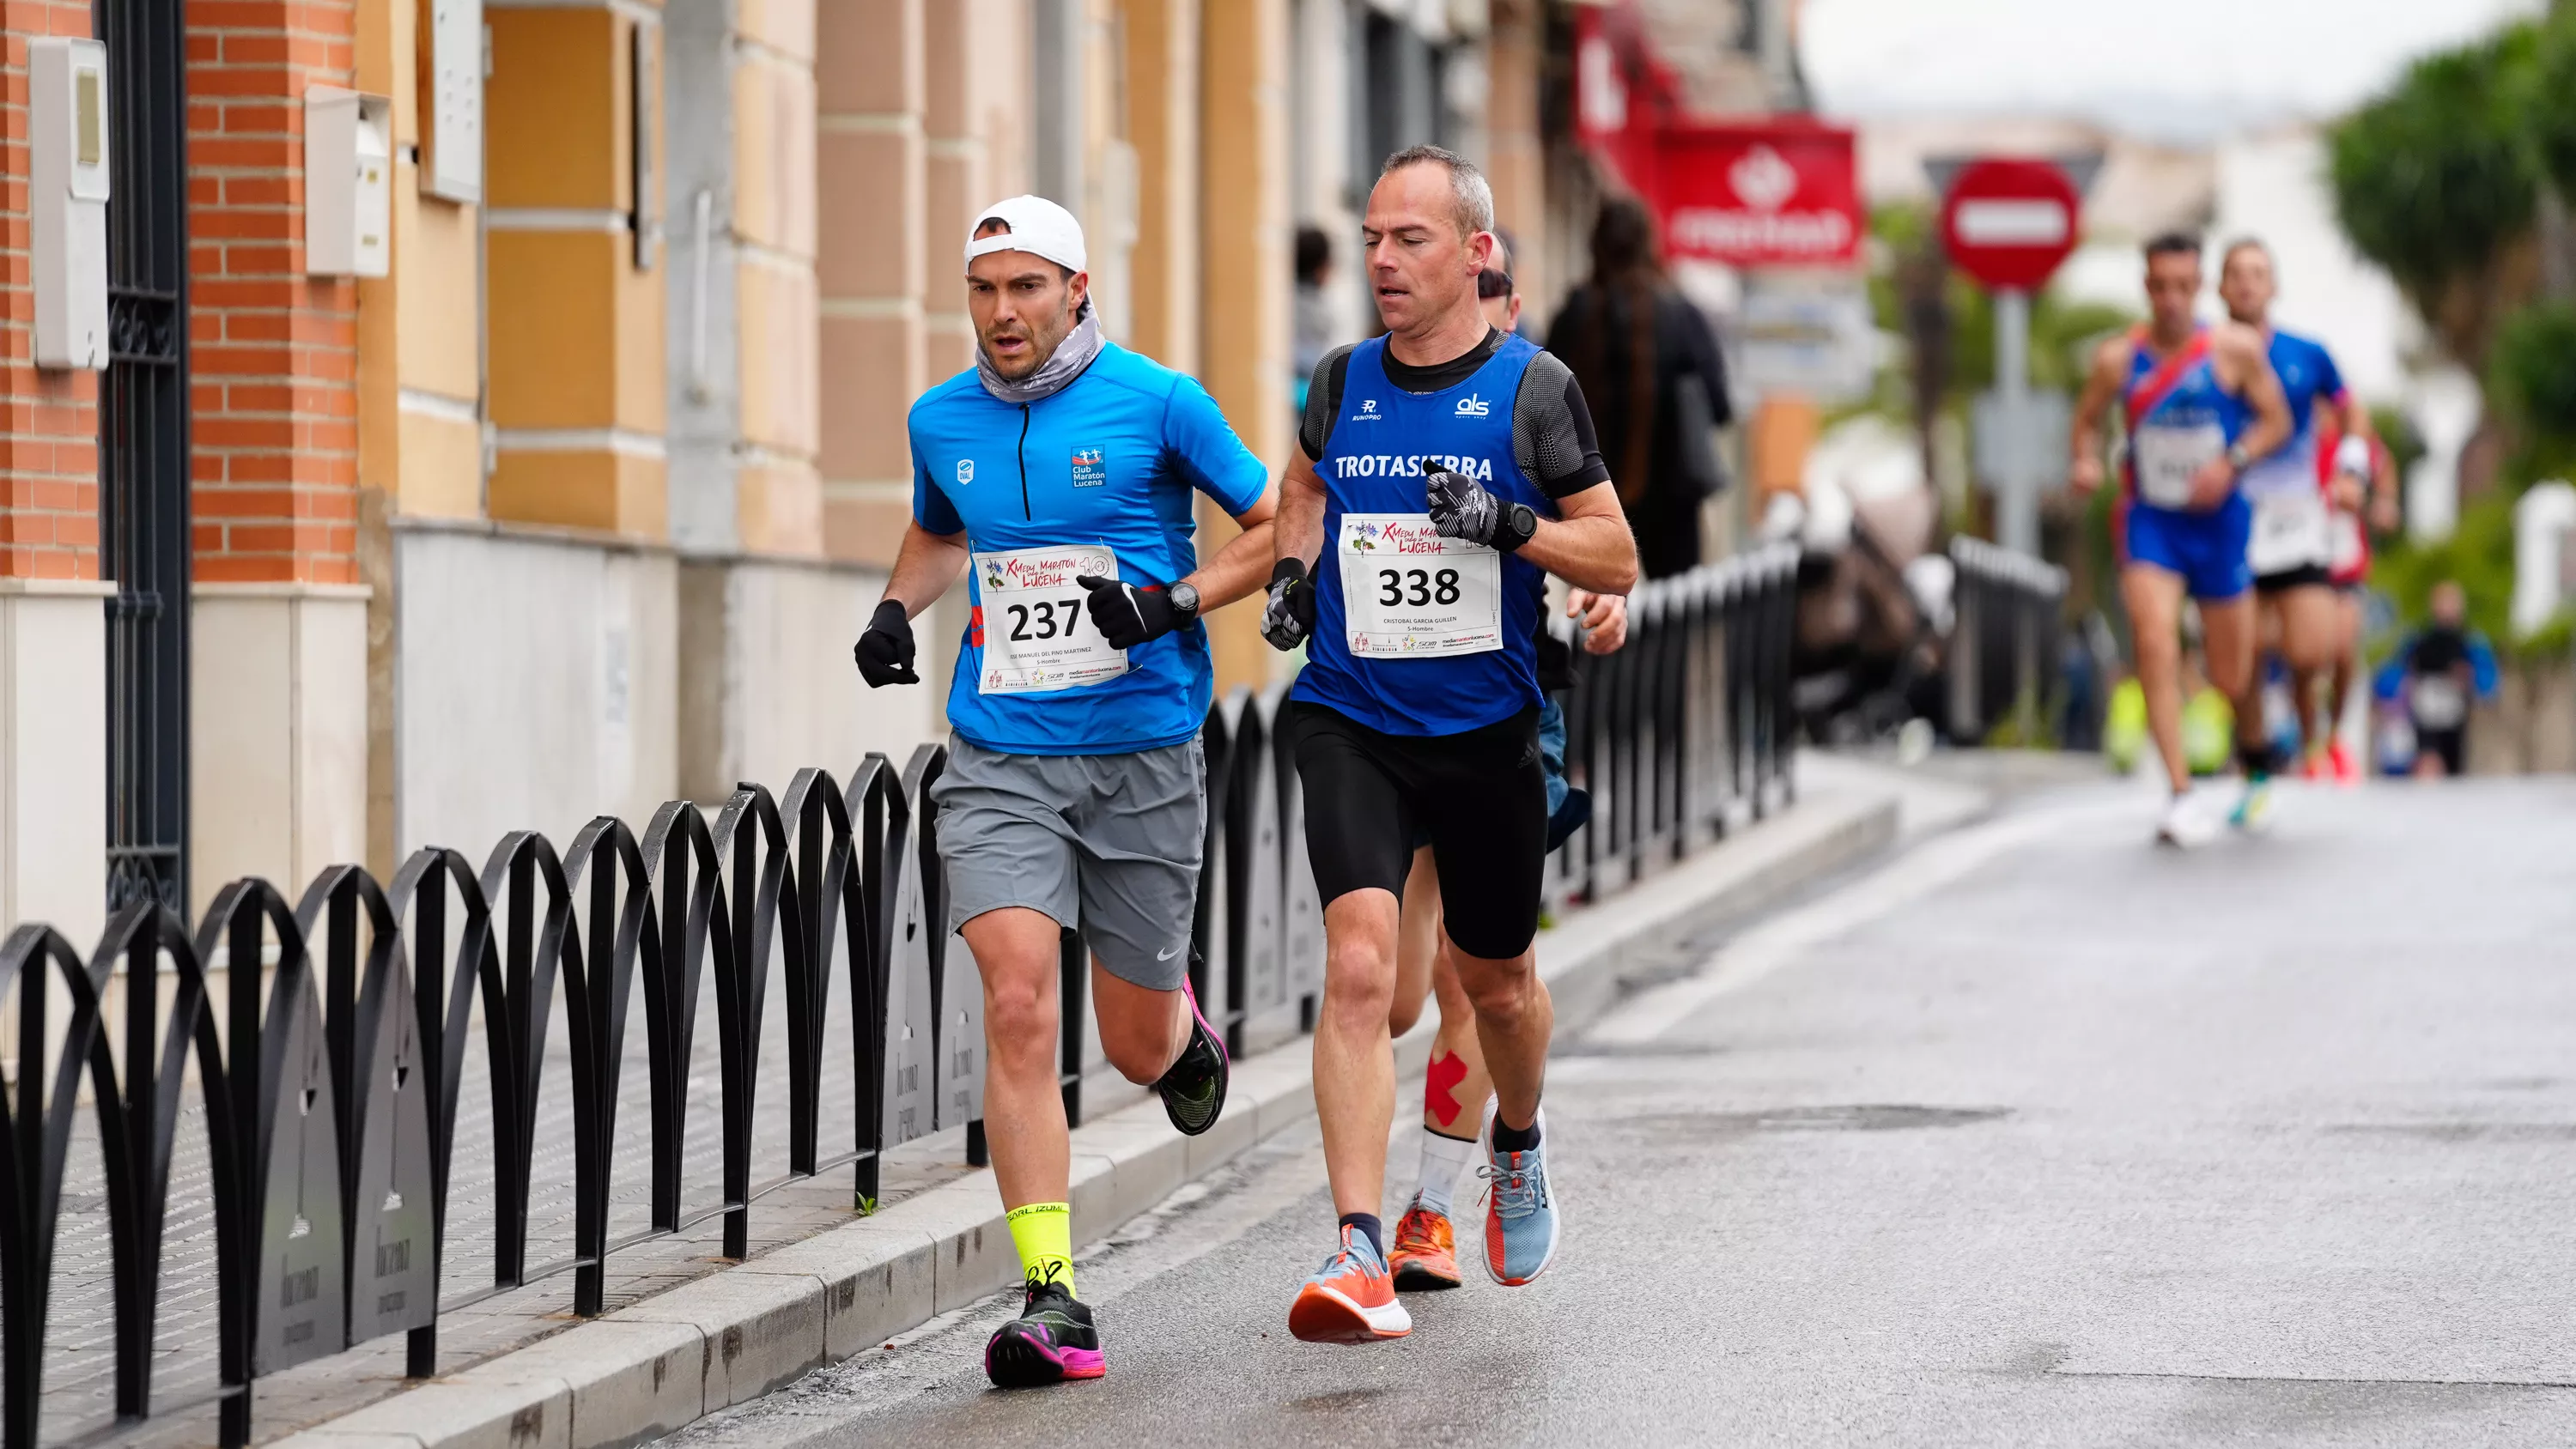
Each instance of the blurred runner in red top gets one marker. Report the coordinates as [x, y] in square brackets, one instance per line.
[2349, 467]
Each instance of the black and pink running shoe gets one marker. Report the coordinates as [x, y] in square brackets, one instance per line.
[1193, 1088]
[1052, 1340]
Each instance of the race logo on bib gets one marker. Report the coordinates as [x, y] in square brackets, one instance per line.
[1035, 633]
[1408, 591]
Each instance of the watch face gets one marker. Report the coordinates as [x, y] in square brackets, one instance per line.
[1185, 598]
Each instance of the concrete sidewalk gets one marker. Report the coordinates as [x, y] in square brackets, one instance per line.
[737, 1332]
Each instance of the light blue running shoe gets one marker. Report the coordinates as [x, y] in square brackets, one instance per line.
[1520, 1210]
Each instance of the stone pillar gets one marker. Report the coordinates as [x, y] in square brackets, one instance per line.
[779, 509]
[576, 307]
[958, 171]
[1515, 154]
[1244, 340]
[872, 178]
[278, 714]
[1162, 127]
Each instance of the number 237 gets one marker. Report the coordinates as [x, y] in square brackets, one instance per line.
[1426, 587]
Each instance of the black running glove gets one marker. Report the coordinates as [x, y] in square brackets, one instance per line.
[1290, 615]
[885, 651]
[1126, 615]
[1462, 509]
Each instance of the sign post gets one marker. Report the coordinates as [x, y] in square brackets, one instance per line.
[2009, 222]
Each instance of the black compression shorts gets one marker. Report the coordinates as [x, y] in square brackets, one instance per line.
[2450, 746]
[1480, 796]
[2305, 576]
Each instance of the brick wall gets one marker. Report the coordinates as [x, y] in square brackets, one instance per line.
[275, 353]
[49, 435]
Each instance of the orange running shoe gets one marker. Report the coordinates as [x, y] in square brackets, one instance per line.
[2315, 765]
[1351, 1299]
[1425, 1255]
[2339, 755]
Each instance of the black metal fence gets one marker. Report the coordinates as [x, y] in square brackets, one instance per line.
[2002, 662]
[322, 1044]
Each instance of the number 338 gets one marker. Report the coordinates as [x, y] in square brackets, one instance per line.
[1416, 587]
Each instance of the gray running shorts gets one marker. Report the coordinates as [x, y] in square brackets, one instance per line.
[1109, 843]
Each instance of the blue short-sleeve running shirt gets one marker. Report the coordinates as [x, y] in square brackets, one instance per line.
[1113, 460]
[2308, 377]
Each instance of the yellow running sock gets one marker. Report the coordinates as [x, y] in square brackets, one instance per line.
[1043, 1232]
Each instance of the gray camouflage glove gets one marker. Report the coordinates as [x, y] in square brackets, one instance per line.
[1460, 508]
[1290, 615]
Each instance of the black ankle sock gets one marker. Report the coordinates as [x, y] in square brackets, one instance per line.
[1370, 1228]
[1508, 1138]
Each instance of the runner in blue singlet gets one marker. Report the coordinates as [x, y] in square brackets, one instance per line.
[2298, 491]
[1445, 475]
[2201, 405]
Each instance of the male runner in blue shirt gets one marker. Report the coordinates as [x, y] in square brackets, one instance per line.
[1445, 472]
[2292, 551]
[2201, 405]
[1063, 468]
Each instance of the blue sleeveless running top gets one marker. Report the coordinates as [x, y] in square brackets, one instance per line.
[1372, 464]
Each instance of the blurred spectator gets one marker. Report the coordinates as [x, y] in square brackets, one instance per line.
[1519, 324]
[1627, 322]
[1496, 292]
[1314, 307]
[2435, 676]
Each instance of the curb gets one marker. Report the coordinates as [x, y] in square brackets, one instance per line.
[731, 1336]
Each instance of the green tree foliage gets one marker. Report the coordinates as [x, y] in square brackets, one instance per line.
[2550, 111]
[2062, 333]
[2478, 554]
[2438, 181]
[2531, 374]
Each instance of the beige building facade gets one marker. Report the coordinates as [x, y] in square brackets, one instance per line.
[573, 498]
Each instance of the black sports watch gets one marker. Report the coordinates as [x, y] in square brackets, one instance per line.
[2238, 458]
[1185, 599]
[1519, 525]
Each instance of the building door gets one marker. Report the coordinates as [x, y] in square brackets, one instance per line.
[143, 453]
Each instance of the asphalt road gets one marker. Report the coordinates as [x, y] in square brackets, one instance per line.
[2030, 1135]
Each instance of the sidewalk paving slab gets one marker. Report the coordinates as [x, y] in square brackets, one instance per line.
[631, 1376]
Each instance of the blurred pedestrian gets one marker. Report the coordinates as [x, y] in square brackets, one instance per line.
[1314, 306]
[2201, 404]
[2444, 669]
[1649, 363]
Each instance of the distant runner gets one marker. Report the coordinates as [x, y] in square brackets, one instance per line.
[2294, 491]
[2201, 405]
[2354, 522]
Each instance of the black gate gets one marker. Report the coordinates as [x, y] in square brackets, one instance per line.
[143, 453]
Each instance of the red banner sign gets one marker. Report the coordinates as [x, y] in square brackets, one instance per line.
[1767, 193]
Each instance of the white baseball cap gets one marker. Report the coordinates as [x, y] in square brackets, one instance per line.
[1037, 226]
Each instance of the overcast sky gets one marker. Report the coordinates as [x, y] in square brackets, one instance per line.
[2177, 69]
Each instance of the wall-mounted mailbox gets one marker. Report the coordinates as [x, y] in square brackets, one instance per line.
[67, 192]
[348, 183]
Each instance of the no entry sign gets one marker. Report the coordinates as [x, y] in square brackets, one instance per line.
[2009, 221]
